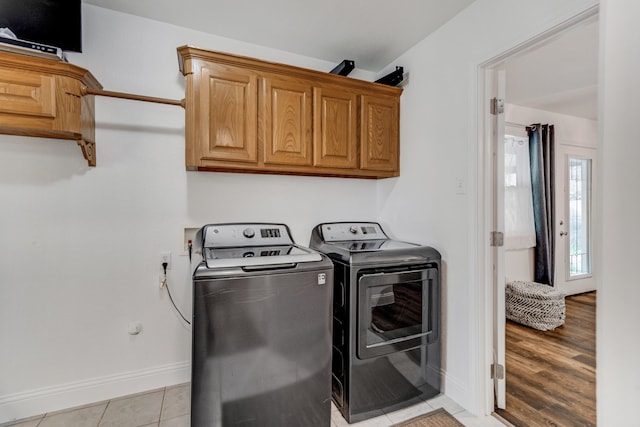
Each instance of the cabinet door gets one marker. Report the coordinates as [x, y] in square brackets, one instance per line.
[27, 97]
[380, 133]
[286, 121]
[227, 125]
[335, 128]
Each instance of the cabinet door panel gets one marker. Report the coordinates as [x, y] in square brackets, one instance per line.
[380, 133]
[335, 128]
[27, 94]
[286, 122]
[228, 122]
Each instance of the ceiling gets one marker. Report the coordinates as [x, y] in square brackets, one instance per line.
[371, 32]
[559, 76]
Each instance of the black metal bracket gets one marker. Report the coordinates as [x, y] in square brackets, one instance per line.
[344, 68]
[392, 79]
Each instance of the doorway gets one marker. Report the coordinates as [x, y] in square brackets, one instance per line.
[574, 154]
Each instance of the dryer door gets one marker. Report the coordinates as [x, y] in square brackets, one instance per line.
[396, 311]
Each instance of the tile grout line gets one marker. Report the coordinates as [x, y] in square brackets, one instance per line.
[41, 419]
[103, 412]
[164, 393]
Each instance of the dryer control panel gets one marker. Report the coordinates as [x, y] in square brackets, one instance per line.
[342, 231]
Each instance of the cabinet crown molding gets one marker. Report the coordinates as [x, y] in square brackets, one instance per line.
[187, 54]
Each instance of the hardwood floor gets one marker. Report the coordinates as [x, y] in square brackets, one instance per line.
[551, 375]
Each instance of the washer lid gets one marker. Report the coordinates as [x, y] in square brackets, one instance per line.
[266, 256]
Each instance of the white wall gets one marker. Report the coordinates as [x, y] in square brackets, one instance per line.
[569, 131]
[439, 134]
[618, 340]
[80, 247]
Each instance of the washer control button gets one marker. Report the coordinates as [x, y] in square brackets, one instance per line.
[249, 233]
[353, 229]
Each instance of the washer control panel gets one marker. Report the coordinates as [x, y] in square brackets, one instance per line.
[246, 234]
[342, 231]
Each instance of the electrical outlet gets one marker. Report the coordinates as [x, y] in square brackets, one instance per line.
[188, 235]
[165, 257]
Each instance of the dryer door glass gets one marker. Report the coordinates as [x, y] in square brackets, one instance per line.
[393, 311]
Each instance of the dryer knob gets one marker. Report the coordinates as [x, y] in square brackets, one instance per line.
[354, 230]
[248, 233]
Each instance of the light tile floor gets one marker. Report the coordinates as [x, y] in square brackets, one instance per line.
[169, 407]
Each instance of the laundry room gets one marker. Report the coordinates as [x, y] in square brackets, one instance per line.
[84, 315]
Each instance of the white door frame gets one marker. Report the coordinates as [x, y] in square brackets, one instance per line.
[497, 254]
[485, 204]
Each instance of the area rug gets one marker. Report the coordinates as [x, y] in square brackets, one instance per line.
[438, 418]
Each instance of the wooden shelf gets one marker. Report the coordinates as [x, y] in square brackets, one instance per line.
[46, 98]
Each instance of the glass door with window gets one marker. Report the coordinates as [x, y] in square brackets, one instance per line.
[574, 207]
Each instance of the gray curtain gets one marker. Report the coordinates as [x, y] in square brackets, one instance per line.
[541, 153]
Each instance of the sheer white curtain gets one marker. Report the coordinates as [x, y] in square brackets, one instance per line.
[520, 230]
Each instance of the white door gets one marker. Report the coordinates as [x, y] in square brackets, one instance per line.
[498, 85]
[575, 167]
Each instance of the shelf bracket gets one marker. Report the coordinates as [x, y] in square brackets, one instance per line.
[394, 78]
[88, 151]
[344, 68]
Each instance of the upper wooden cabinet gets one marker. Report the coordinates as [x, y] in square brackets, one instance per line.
[246, 115]
[226, 123]
[45, 98]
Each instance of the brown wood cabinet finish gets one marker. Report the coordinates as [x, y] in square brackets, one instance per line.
[335, 128]
[286, 121]
[227, 125]
[44, 98]
[380, 120]
[247, 115]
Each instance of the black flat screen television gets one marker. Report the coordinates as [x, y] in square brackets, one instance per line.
[56, 23]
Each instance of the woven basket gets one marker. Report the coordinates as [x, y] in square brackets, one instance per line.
[535, 305]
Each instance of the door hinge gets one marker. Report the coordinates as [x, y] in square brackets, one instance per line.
[497, 238]
[497, 106]
[497, 371]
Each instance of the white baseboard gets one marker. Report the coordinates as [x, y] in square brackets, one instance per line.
[456, 390]
[48, 399]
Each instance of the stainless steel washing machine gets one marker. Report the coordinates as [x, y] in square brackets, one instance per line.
[261, 329]
[386, 319]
